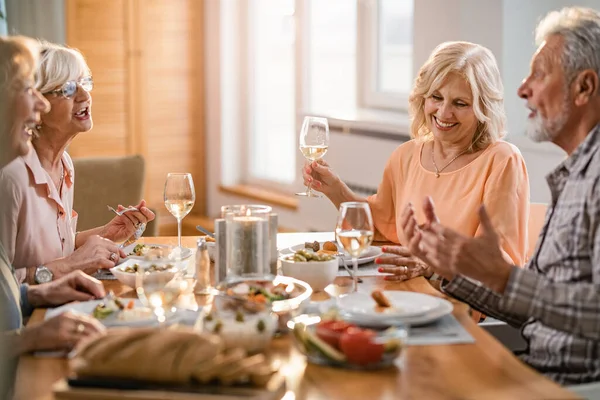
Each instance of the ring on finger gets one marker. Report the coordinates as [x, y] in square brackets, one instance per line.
[80, 328]
[113, 257]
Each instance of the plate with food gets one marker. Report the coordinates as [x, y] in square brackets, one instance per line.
[394, 307]
[332, 248]
[338, 343]
[141, 250]
[112, 311]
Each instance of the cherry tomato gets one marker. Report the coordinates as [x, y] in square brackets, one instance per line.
[358, 347]
[331, 331]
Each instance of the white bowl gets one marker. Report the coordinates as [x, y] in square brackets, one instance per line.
[244, 333]
[318, 274]
[128, 278]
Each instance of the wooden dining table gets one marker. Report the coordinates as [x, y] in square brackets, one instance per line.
[484, 369]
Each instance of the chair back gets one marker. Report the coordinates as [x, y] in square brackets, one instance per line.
[101, 181]
[537, 215]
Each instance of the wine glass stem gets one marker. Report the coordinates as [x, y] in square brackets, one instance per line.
[179, 232]
[355, 272]
[308, 189]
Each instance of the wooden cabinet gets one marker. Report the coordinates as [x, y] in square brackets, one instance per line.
[146, 57]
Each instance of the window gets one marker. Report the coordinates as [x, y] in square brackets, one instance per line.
[271, 91]
[387, 37]
[319, 56]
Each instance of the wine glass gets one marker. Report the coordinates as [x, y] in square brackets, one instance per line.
[159, 284]
[314, 140]
[179, 197]
[354, 231]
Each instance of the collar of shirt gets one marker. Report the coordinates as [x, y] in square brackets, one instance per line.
[41, 176]
[575, 163]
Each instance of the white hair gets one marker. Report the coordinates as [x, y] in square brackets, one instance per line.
[580, 28]
[59, 64]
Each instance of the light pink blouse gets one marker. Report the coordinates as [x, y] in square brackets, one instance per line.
[37, 223]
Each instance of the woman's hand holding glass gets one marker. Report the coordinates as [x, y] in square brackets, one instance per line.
[320, 176]
[314, 141]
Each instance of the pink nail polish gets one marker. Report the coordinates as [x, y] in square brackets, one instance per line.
[380, 269]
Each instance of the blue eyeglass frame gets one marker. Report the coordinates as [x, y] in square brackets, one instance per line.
[69, 88]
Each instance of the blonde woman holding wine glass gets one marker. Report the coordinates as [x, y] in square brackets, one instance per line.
[314, 141]
[180, 197]
[456, 156]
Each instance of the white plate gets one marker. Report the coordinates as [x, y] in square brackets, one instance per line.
[87, 308]
[404, 305]
[173, 252]
[444, 309]
[368, 256]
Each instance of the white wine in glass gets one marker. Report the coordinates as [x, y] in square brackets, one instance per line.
[354, 232]
[180, 197]
[314, 141]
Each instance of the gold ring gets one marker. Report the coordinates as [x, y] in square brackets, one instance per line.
[80, 328]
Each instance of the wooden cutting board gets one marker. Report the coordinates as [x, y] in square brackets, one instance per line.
[274, 390]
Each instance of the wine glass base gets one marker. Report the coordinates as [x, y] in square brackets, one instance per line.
[309, 194]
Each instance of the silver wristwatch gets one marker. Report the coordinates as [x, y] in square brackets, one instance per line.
[43, 275]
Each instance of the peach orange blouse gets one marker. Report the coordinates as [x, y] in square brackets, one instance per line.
[497, 178]
[37, 223]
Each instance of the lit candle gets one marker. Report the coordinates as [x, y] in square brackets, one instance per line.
[248, 237]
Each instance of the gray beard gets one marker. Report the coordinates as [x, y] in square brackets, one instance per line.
[544, 130]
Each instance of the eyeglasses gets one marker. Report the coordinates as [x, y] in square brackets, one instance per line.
[69, 88]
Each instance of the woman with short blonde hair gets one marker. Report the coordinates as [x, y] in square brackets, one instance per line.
[456, 156]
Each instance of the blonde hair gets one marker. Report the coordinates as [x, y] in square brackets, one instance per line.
[478, 66]
[59, 64]
[18, 59]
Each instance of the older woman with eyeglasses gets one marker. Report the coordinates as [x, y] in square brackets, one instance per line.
[37, 221]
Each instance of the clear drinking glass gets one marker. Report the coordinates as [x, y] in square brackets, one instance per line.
[354, 231]
[159, 284]
[179, 197]
[314, 140]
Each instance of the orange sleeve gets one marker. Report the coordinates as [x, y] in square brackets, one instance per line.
[506, 198]
[383, 203]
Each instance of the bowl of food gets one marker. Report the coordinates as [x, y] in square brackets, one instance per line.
[328, 340]
[159, 271]
[240, 324]
[284, 296]
[318, 270]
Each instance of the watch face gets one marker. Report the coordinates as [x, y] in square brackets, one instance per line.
[43, 275]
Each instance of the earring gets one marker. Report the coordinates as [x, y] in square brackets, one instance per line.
[38, 127]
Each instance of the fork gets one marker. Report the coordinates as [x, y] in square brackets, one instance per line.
[119, 213]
